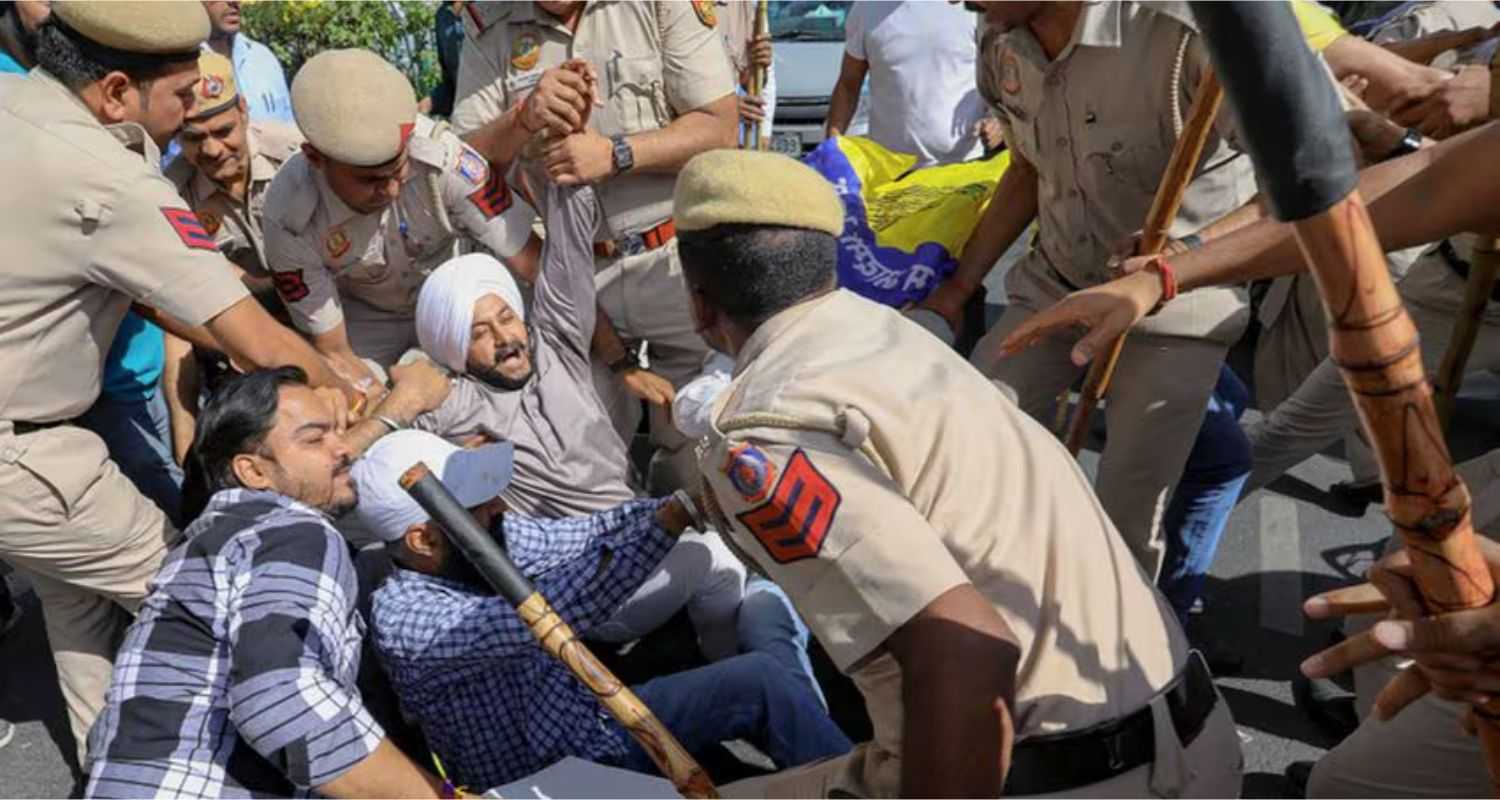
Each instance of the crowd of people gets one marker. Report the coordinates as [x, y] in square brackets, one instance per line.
[571, 285]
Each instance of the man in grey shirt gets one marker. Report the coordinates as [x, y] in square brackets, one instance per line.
[523, 376]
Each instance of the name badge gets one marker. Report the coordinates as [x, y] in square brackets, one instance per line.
[518, 84]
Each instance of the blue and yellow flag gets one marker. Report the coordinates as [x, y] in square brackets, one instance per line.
[904, 229]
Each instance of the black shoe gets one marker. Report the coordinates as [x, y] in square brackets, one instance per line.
[1358, 494]
[1329, 705]
[1297, 775]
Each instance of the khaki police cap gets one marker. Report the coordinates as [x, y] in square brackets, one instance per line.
[135, 27]
[216, 89]
[354, 107]
[758, 188]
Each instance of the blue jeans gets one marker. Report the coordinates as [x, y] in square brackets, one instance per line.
[768, 624]
[138, 434]
[752, 696]
[1216, 470]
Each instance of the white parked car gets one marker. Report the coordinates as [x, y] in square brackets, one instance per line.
[809, 48]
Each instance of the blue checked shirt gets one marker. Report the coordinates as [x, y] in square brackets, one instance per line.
[494, 705]
[238, 677]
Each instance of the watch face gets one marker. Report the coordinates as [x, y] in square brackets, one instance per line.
[624, 156]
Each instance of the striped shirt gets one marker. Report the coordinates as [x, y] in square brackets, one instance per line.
[238, 677]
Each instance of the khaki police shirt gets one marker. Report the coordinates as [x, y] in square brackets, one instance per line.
[569, 461]
[90, 226]
[1098, 125]
[656, 61]
[906, 473]
[319, 249]
[235, 224]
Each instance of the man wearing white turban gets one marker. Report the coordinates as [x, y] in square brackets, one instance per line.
[523, 376]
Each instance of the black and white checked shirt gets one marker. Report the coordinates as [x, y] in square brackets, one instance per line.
[238, 677]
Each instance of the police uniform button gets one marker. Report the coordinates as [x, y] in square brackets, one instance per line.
[1062, 141]
[1116, 147]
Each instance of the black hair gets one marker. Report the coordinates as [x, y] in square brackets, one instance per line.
[65, 57]
[235, 420]
[753, 272]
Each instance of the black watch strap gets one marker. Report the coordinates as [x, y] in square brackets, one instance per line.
[1411, 142]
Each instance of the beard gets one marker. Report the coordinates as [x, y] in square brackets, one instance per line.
[492, 376]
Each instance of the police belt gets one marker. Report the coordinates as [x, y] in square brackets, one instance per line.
[23, 428]
[1072, 759]
[636, 243]
[1460, 266]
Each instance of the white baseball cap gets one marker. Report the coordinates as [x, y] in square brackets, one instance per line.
[386, 511]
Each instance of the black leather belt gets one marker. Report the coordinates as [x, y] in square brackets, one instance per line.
[1063, 761]
[23, 428]
[1460, 266]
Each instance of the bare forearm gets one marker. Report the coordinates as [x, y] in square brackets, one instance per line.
[1432, 193]
[197, 335]
[668, 149]
[607, 346]
[1248, 214]
[398, 407]
[1423, 50]
[180, 385]
[1012, 208]
[387, 772]
[253, 339]
[841, 109]
[502, 139]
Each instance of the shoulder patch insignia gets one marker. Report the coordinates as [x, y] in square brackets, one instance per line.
[472, 166]
[290, 285]
[187, 227]
[493, 198]
[794, 522]
[336, 242]
[706, 13]
[525, 52]
[750, 472]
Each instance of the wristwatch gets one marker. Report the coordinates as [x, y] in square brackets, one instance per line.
[1411, 142]
[622, 156]
[630, 359]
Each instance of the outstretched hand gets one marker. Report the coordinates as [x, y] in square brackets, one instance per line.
[1105, 311]
[1457, 654]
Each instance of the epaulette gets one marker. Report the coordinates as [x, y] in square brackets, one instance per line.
[481, 16]
[427, 145]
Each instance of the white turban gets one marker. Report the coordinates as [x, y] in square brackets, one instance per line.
[445, 307]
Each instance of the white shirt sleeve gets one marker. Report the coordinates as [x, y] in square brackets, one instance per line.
[854, 30]
[692, 408]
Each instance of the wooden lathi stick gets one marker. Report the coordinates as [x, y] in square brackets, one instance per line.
[554, 634]
[1483, 270]
[1374, 343]
[758, 75]
[1174, 183]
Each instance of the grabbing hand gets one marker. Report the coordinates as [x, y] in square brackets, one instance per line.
[1457, 654]
[947, 301]
[1107, 311]
[562, 99]
[422, 384]
[760, 51]
[752, 108]
[649, 386]
[1453, 106]
[338, 405]
[579, 158]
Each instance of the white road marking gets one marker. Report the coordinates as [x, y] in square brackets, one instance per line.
[1281, 591]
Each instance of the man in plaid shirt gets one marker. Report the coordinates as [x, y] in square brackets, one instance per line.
[494, 705]
[238, 677]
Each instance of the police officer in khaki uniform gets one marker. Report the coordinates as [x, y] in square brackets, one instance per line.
[667, 93]
[227, 165]
[90, 226]
[944, 548]
[378, 197]
[1086, 161]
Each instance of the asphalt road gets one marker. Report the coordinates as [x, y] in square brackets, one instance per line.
[1284, 543]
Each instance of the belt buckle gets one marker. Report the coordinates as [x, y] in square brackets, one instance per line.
[631, 244]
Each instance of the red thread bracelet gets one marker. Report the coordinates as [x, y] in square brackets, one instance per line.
[1159, 263]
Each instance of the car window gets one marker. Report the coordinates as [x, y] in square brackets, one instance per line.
[821, 21]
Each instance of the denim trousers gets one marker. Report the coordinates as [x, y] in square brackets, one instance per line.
[766, 695]
[138, 434]
[1216, 471]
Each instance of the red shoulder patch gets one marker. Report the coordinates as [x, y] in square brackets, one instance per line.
[493, 198]
[187, 227]
[794, 522]
[290, 285]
